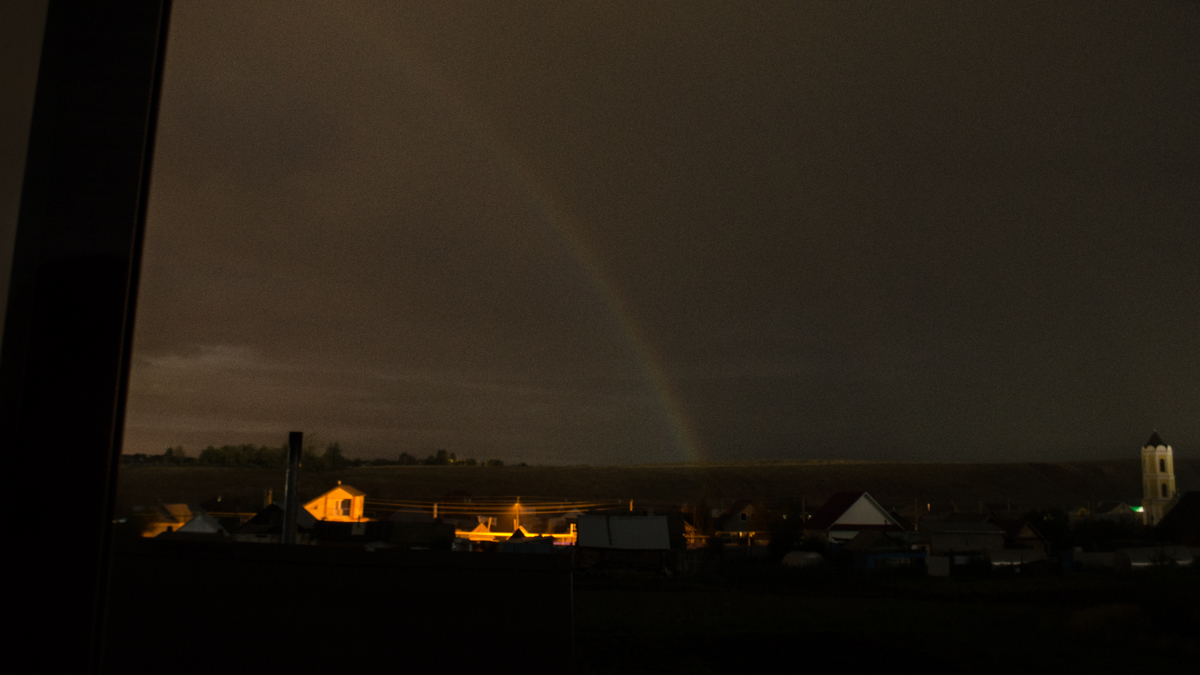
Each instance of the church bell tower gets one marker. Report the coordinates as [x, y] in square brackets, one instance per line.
[1158, 479]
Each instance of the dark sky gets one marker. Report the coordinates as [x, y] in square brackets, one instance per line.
[602, 232]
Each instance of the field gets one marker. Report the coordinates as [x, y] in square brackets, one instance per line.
[1023, 485]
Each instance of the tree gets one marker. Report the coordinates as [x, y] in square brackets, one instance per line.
[333, 459]
[407, 459]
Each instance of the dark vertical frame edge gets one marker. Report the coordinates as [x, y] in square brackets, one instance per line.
[68, 325]
[128, 322]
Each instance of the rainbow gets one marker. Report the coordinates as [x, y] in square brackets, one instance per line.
[556, 216]
[564, 224]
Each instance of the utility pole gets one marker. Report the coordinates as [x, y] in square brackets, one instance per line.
[291, 497]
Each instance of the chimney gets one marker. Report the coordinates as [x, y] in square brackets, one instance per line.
[291, 500]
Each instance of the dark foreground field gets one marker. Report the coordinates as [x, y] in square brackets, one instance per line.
[1021, 484]
[769, 618]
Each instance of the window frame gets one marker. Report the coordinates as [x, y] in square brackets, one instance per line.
[64, 363]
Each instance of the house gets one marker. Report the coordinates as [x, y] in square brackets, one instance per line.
[846, 514]
[743, 521]
[342, 504]
[962, 534]
[266, 526]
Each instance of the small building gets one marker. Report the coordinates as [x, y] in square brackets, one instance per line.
[846, 514]
[343, 504]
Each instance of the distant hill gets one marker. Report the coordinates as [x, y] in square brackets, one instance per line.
[1024, 485]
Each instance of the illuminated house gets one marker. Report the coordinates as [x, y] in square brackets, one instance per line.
[342, 504]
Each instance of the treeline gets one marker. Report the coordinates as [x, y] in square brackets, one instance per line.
[267, 457]
[440, 458]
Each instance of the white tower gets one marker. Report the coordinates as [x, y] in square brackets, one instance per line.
[1158, 479]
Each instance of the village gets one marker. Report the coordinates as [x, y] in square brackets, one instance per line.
[850, 529]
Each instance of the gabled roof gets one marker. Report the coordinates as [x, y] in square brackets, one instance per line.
[1155, 440]
[722, 521]
[837, 505]
[1013, 527]
[203, 523]
[737, 507]
[270, 520]
[350, 489]
[178, 512]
